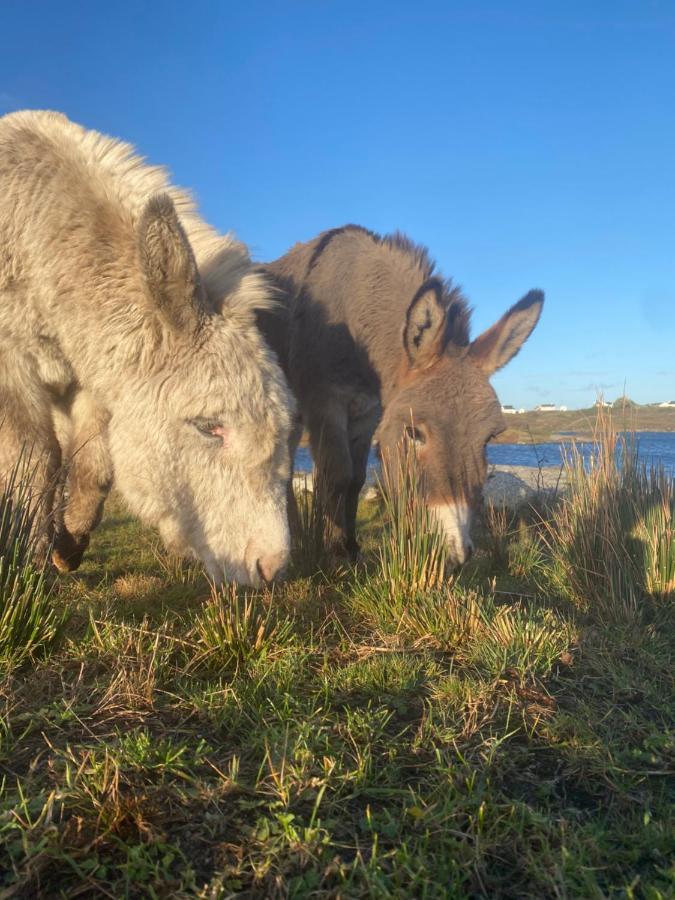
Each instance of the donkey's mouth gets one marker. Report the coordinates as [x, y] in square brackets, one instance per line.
[454, 521]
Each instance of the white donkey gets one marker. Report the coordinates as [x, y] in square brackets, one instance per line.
[129, 352]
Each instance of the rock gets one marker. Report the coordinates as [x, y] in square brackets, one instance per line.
[511, 486]
[514, 486]
[305, 481]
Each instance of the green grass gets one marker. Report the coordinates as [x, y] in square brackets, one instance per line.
[30, 618]
[360, 734]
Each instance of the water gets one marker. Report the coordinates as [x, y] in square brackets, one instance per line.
[654, 448]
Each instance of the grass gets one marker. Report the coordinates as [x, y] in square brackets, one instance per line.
[379, 732]
[612, 541]
[30, 621]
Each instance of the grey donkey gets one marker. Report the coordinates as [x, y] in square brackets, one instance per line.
[129, 354]
[375, 343]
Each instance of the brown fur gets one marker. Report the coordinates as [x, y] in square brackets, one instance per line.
[370, 337]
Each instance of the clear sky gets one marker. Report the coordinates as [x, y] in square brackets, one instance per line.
[526, 144]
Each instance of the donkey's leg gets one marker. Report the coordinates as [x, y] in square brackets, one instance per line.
[360, 448]
[88, 481]
[330, 449]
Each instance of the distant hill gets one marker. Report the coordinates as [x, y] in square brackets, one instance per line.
[548, 426]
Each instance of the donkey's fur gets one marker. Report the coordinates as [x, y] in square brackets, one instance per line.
[369, 335]
[129, 352]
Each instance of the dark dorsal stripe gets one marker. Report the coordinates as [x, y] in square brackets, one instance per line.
[327, 237]
[450, 295]
[397, 241]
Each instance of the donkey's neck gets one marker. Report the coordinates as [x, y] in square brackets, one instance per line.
[377, 328]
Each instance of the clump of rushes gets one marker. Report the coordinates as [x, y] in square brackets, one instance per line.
[410, 600]
[525, 555]
[473, 627]
[30, 623]
[612, 540]
[235, 629]
[498, 521]
[412, 554]
[310, 554]
[656, 531]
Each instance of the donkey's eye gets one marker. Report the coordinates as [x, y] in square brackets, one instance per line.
[414, 434]
[210, 428]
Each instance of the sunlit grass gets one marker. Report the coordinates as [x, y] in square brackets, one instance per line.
[236, 628]
[612, 540]
[387, 731]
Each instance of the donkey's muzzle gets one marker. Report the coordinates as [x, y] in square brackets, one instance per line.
[454, 521]
[271, 567]
[68, 550]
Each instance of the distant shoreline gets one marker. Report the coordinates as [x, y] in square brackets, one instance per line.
[581, 424]
[575, 424]
[577, 436]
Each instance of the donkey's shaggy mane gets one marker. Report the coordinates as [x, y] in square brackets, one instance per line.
[117, 173]
[449, 294]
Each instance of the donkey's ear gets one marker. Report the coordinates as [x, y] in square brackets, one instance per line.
[169, 264]
[425, 326]
[496, 346]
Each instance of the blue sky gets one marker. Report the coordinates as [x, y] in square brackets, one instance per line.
[526, 144]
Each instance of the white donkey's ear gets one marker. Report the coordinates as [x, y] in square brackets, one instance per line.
[169, 264]
[500, 343]
[425, 326]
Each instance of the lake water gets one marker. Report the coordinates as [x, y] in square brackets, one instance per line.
[654, 447]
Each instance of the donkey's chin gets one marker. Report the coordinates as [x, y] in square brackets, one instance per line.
[259, 563]
[222, 574]
[454, 521]
[262, 569]
[255, 576]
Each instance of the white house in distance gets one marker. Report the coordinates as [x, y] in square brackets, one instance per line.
[546, 407]
[509, 410]
[667, 404]
[604, 404]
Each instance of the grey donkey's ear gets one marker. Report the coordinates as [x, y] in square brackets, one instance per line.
[169, 264]
[425, 326]
[496, 346]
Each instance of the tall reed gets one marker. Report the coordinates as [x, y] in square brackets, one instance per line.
[310, 531]
[413, 553]
[612, 540]
[30, 622]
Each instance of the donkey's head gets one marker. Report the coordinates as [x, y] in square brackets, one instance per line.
[199, 435]
[445, 407]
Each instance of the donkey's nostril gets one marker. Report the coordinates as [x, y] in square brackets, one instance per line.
[271, 567]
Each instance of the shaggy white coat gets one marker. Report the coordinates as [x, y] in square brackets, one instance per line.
[124, 320]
